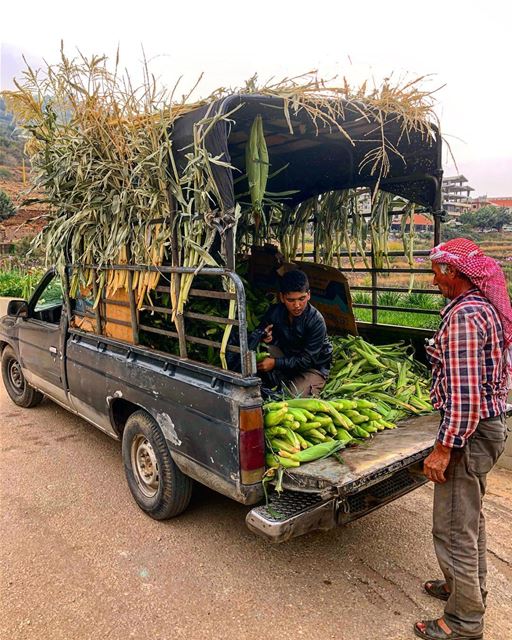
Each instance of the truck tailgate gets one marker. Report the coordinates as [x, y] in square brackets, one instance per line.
[389, 451]
[326, 493]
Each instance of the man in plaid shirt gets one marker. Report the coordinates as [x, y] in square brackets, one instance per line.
[470, 357]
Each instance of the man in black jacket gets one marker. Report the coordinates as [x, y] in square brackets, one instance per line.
[296, 335]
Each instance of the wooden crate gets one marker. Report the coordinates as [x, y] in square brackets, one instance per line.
[111, 311]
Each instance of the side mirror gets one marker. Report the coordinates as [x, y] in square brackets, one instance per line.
[17, 308]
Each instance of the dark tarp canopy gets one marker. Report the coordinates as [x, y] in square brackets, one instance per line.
[319, 158]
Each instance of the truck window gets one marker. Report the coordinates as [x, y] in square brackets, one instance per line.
[48, 306]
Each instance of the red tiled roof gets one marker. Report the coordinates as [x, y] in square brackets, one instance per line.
[500, 202]
[419, 218]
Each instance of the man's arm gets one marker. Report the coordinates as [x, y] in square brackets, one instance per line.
[437, 462]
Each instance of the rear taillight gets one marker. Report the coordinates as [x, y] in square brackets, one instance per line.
[252, 445]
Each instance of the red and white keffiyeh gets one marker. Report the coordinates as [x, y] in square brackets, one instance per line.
[484, 272]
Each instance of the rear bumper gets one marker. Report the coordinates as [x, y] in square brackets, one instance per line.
[293, 514]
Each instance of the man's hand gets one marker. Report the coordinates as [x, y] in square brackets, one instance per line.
[267, 338]
[436, 463]
[266, 365]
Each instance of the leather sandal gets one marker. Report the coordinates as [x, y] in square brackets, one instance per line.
[435, 588]
[434, 632]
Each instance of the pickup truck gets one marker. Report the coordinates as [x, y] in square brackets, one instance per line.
[182, 420]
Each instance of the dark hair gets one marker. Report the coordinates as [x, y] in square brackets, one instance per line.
[293, 281]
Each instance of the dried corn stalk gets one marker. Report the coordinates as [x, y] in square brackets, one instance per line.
[100, 150]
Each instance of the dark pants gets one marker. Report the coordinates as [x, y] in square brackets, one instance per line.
[459, 526]
[302, 384]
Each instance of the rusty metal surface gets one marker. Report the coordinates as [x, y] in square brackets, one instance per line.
[386, 450]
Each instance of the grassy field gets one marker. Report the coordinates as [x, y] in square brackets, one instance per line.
[401, 318]
[397, 300]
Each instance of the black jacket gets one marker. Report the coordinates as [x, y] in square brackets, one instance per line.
[303, 341]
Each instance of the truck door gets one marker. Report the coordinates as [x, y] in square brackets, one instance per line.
[41, 339]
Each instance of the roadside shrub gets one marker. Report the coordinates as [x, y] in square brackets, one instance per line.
[11, 284]
[19, 284]
[7, 209]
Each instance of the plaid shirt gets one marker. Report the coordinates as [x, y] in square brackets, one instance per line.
[469, 373]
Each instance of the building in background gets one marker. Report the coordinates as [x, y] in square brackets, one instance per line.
[456, 198]
[501, 202]
[422, 223]
[364, 202]
[485, 201]
[479, 202]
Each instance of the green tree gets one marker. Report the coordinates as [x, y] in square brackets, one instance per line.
[488, 217]
[503, 216]
[7, 209]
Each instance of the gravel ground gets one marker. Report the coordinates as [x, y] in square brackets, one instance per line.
[79, 560]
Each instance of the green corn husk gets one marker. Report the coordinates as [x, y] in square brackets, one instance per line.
[275, 431]
[356, 417]
[308, 426]
[377, 424]
[364, 404]
[273, 418]
[388, 425]
[298, 415]
[283, 445]
[344, 436]
[318, 451]
[274, 406]
[315, 433]
[273, 460]
[292, 437]
[323, 419]
[304, 444]
[372, 415]
[359, 432]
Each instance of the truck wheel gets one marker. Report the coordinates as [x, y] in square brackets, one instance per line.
[20, 392]
[158, 486]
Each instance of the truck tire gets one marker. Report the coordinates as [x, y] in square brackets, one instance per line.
[158, 486]
[20, 392]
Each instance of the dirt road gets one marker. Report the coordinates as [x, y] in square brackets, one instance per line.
[79, 560]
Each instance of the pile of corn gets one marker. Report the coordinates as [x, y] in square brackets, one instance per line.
[368, 390]
[306, 429]
[386, 374]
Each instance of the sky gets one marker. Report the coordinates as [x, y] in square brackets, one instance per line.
[463, 47]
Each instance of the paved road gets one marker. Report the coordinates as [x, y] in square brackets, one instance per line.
[79, 560]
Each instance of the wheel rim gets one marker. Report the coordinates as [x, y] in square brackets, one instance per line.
[145, 466]
[16, 377]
